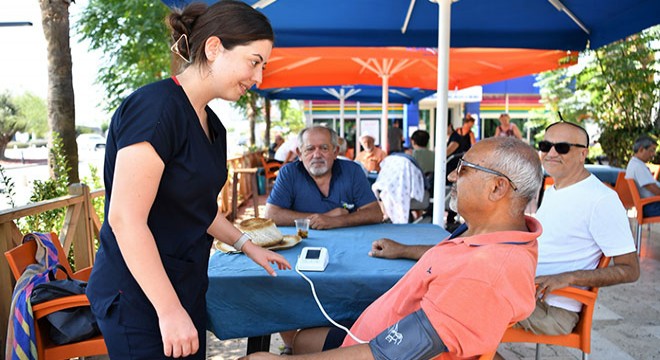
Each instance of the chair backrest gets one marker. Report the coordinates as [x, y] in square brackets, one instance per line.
[23, 255]
[270, 168]
[636, 198]
[622, 189]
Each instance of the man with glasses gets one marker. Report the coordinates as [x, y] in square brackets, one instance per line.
[644, 149]
[582, 220]
[332, 193]
[462, 294]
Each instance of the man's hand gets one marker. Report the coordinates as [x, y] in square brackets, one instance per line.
[549, 283]
[336, 212]
[386, 248]
[327, 220]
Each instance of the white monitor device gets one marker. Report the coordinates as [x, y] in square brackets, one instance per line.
[313, 259]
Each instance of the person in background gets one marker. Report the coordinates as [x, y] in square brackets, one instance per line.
[286, 153]
[507, 128]
[395, 137]
[371, 156]
[425, 157]
[459, 142]
[165, 163]
[644, 149]
[341, 154]
[462, 294]
[279, 140]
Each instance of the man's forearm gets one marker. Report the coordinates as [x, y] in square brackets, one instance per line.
[414, 252]
[624, 270]
[283, 217]
[369, 214]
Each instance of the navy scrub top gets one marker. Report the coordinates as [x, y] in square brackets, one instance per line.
[183, 209]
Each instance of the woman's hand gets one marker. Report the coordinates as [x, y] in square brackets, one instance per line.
[179, 334]
[265, 257]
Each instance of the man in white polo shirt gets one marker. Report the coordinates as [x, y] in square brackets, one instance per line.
[644, 149]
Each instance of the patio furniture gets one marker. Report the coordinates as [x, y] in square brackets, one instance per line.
[580, 338]
[639, 206]
[270, 172]
[18, 259]
[621, 188]
[252, 173]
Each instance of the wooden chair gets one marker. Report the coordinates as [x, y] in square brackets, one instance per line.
[22, 256]
[580, 338]
[639, 207]
[270, 172]
[621, 188]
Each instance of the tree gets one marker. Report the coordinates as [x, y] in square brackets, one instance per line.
[33, 110]
[134, 37]
[10, 121]
[248, 104]
[61, 109]
[618, 86]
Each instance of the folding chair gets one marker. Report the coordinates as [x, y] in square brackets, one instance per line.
[580, 338]
[22, 256]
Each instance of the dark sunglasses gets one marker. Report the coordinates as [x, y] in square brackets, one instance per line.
[560, 147]
[462, 163]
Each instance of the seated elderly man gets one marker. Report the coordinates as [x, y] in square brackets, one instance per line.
[460, 297]
[331, 193]
[582, 219]
[371, 156]
[644, 149]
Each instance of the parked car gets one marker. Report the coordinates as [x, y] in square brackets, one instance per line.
[90, 142]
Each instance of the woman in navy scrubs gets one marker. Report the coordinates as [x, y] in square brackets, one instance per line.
[164, 167]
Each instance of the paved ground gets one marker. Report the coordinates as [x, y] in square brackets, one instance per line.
[626, 320]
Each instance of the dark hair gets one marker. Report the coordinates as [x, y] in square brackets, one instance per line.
[234, 22]
[586, 135]
[420, 137]
[643, 142]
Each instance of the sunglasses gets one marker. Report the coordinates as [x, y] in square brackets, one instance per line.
[462, 163]
[560, 147]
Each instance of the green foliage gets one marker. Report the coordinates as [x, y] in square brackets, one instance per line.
[33, 111]
[135, 40]
[11, 120]
[54, 187]
[8, 187]
[291, 118]
[618, 86]
[95, 182]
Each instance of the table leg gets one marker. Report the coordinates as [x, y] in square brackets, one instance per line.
[258, 343]
[234, 197]
[255, 195]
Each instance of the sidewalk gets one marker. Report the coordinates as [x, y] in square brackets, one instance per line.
[626, 320]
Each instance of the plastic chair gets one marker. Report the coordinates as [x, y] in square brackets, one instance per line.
[270, 172]
[22, 256]
[639, 206]
[580, 338]
[621, 188]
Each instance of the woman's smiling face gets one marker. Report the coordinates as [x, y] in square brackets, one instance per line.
[235, 71]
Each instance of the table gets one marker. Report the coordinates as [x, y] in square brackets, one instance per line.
[243, 301]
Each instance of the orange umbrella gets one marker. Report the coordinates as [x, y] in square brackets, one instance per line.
[403, 67]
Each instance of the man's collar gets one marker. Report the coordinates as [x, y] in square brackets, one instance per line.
[501, 237]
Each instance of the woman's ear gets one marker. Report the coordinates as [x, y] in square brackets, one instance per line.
[213, 47]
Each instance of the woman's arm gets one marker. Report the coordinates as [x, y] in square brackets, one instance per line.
[138, 171]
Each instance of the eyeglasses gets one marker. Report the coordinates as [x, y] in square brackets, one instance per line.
[560, 147]
[462, 163]
[324, 149]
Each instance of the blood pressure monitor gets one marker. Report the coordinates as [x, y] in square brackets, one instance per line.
[313, 259]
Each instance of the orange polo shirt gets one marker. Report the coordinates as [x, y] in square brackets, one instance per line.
[470, 288]
[371, 160]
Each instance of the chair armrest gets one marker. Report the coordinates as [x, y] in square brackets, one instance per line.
[51, 306]
[82, 274]
[273, 166]
[586, 297]
[648, 200]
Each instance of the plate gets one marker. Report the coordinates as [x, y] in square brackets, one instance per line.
[288, 241]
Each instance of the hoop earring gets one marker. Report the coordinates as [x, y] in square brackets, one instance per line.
[175, 48]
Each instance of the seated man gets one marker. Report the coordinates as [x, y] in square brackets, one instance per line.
[331, 193]
[425, 157]
[582, 220]
[371, 156]
[644, 149]
[460, 297]
[342, 154]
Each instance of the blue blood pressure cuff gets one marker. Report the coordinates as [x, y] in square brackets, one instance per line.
[412, 338]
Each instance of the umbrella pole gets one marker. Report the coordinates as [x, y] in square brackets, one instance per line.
[444, 22]
[384, 123]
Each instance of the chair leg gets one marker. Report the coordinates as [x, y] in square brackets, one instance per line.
[585, 356]
[538, 352]
[639, 238]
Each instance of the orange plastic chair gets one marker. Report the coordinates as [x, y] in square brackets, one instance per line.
[639, 206]
[621, 188]
[22, 256]
[270, 172]
[580, 338]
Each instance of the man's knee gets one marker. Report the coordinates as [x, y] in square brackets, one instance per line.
[309, 341]
[549, 320]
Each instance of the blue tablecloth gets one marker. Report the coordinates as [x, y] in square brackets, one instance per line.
[605, 173]
[243, 301]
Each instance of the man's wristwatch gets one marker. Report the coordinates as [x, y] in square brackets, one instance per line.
[238, 245]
